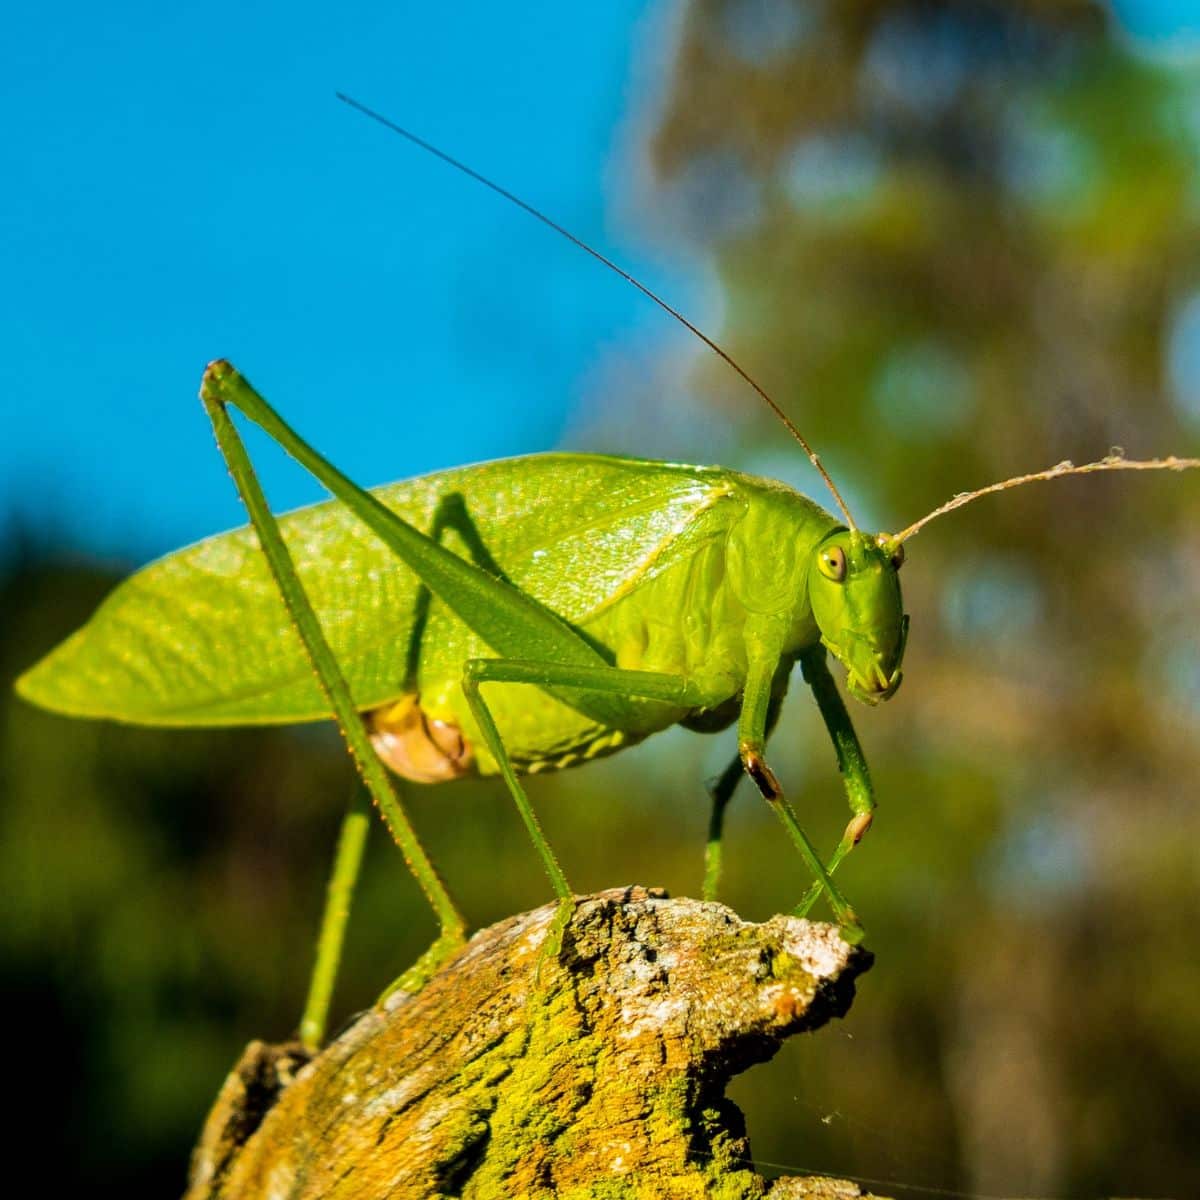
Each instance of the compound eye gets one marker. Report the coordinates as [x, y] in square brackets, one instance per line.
[897, 559]
[833, 563]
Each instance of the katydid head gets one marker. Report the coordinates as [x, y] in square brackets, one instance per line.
[854, 588]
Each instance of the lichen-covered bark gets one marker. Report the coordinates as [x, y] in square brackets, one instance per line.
[597, 1072]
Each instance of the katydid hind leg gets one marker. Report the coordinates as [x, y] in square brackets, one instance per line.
[513, 623]
[450, 514]
[852, 763]
[509, 620]
[333, 682]
[413, 743]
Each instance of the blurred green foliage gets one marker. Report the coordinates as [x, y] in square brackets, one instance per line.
[965, 246]
[957, 240]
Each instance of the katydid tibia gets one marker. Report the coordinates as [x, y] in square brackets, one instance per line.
[474, 621]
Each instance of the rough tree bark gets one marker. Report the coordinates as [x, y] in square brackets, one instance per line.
[597, 1073]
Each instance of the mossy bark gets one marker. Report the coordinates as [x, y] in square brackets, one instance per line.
[597, 1072]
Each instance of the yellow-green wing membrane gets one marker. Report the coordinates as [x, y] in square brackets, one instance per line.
[201, 637]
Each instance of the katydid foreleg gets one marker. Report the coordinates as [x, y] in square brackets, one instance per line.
[852, 763]
[765, 636]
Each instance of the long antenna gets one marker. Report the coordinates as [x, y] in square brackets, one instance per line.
[612, 266]
[1113, 462]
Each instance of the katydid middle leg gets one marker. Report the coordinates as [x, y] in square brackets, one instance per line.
[720, 793]
[765, 639]
[645, 685]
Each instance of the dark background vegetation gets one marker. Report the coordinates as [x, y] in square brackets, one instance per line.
[957, 241]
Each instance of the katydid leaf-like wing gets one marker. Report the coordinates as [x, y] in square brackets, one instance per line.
[201, 637]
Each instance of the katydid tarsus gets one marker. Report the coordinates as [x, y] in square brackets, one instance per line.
[508, 618]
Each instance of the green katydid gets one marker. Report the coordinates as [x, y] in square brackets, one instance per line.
[509, 618]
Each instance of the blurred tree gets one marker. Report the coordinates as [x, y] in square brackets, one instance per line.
[957, 240]
[139, 870]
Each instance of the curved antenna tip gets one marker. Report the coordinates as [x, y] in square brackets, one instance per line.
[1116, 461]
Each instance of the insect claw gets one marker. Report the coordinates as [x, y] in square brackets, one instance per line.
[857, 829]
[556, 932]
[851, 929]
[764, 778]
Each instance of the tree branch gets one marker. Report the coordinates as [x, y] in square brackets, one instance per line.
[601, 1072]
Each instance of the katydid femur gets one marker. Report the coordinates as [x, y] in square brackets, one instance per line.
[485, 626]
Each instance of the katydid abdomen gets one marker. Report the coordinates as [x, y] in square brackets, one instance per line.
[657, 564]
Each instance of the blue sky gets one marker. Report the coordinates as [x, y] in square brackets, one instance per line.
[187, 187]
[1158, 22]
[184, 186]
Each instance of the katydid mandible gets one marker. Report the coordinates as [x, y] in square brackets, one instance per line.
[475, 621]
